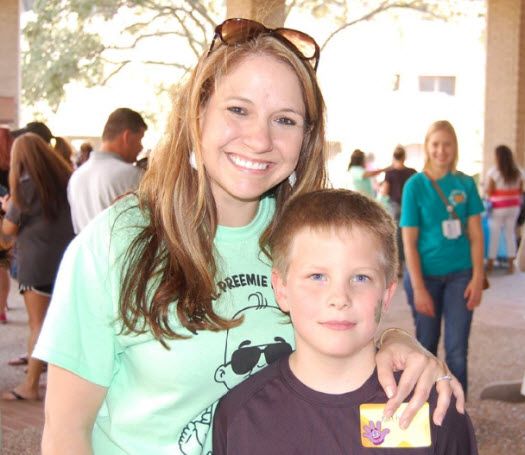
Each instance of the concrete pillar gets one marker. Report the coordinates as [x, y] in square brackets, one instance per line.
[9, 62]
[505, 79]
[269, 12]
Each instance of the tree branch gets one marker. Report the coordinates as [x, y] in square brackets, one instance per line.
[174, 64]
[383, 7]
[144, 36]
[110, 75]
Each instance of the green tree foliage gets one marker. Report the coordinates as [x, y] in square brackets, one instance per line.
[64, 42]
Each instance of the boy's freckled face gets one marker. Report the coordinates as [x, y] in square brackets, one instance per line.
[334, 291]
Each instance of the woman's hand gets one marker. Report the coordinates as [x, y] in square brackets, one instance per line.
[474, 288]
[400, 351]
[473, 293]
[423, 302]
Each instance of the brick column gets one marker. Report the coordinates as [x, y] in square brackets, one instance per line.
[9, 62]
[505, 79]
[270, 12]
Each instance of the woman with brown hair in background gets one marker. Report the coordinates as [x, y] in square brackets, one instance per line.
[63, 148]
[37, 213]
[505, 187]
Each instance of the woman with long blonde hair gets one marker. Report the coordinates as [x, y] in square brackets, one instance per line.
[37, 213]
[443, 242]
[165, 300]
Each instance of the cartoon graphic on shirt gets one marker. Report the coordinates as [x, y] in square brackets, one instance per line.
[247, 350]
[374, 433]
[193, 435]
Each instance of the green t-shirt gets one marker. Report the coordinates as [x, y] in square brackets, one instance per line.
[422, 207]
[160, 401]
[360, 183]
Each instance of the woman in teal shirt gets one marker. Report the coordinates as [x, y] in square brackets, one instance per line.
[444, 253]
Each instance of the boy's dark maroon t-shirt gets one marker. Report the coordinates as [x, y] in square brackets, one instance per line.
[274, 413]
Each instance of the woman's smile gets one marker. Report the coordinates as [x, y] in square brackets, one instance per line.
[248, 164]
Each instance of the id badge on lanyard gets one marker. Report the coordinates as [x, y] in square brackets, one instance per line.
[452, 227]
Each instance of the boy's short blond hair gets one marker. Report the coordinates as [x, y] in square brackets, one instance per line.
[332, 210]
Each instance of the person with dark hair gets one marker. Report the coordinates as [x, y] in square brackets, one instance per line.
[109, 172]
[504, 188]
[151, 289]
[443, 241]
[39, 128]
[395, 179]
[359, 178]
[85, 151]
[5, 244]
[37, 213]
[63, 148]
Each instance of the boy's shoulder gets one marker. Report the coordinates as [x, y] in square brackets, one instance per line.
[237, 397]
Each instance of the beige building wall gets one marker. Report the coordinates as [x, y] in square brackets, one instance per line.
[505, 79]
[9, 62]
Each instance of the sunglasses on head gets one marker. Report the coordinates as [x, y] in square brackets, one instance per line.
[238, 31]
[244, 360]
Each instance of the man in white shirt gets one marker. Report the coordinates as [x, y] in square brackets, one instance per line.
[109, 172]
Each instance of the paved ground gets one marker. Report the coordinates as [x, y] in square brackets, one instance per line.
[496, 353]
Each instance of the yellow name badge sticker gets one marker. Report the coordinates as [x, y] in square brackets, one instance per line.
[376, 431]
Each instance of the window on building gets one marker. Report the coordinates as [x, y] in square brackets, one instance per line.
[444, 84]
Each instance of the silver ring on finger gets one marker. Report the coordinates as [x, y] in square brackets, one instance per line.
[447, 377]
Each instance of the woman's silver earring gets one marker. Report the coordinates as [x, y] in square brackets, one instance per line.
[292, 179]
[193, 160]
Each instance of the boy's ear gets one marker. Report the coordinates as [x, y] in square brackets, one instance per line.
[279, 289]
[388, 295]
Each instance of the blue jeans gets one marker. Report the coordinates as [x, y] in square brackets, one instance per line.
[447, 294]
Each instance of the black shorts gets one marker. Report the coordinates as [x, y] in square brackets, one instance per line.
[45, 289]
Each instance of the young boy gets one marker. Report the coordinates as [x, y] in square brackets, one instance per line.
[335, 267]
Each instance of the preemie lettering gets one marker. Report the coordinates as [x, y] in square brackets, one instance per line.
[243, 279]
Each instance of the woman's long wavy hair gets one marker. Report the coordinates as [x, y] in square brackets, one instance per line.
[507, 166]
[175, 250]
[48, 171]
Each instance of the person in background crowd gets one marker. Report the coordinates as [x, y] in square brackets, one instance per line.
[382, 195]
[85, 151]
[359, 177]
[109, 172]
[37, 128]
[42, 130]
[5, 282]
[165, 299]
[395, 179]
[63, 148]
[443, 251]
[505, 189]
[5, 244]
[37, 213]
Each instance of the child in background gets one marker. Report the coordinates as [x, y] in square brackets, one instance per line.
[382, 195]
[334, 272]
